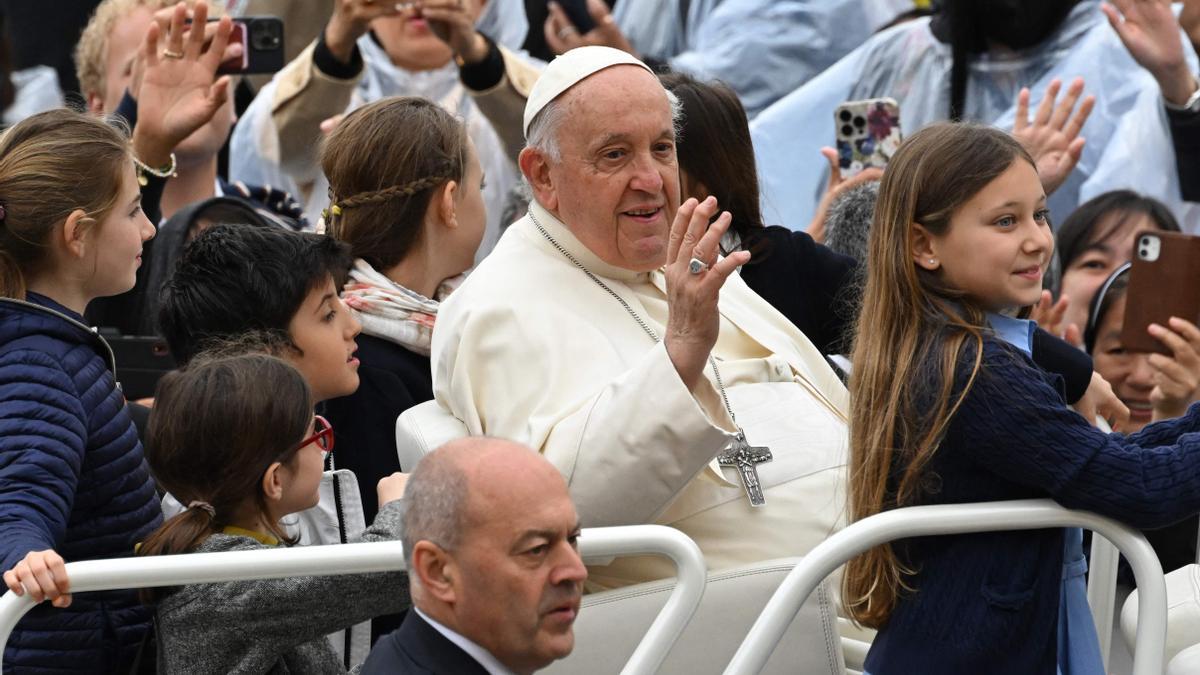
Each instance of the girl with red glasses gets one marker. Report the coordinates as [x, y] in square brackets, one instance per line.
[235, 439]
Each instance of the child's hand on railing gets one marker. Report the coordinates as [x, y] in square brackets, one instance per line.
[42, 574]
[391, 487]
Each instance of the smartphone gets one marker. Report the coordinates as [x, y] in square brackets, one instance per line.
[1164, 281]
[141, 362]
[577, 12]
[867, 133]
[261, 38]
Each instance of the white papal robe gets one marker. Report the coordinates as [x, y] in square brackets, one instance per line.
[530, 349]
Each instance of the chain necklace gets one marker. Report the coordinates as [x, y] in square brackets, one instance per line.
[739, 454]
[649, 331]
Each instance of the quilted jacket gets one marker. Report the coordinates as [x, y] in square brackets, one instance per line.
[72, 478]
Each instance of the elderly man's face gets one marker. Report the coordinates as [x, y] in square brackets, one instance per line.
[617, 185]
[521, 577]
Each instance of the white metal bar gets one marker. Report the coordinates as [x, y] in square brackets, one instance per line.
[922, 521]
[1102, 591]
[196, 568]
[684, 598]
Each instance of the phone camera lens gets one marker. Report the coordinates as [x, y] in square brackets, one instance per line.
[265, 37]
[847, 130]
[860, 122]
[844, 115]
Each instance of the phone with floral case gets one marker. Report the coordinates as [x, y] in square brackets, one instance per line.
[868, 134]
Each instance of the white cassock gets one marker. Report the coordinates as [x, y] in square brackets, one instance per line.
[532, 350]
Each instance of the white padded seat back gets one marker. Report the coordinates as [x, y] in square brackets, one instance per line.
[1186, 662]
[1183, 613]
[611, 623]
[423, 428]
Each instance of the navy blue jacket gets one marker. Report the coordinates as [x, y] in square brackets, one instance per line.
[73, 479]
[988, 603]
[417, 648]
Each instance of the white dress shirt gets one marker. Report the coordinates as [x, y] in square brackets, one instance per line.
[481, 655]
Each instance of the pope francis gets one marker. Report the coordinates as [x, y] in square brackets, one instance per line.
[606, 330]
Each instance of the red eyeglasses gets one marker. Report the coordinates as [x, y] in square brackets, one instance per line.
[322, 435]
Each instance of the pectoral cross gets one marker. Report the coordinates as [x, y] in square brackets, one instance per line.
[745, 458]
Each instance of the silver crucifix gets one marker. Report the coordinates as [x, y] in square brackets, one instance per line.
[745, 458]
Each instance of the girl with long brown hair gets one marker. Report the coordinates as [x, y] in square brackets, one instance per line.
[947, 407]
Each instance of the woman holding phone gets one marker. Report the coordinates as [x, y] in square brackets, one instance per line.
[1154, 386]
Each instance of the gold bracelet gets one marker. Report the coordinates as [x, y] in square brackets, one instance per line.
[144, 170]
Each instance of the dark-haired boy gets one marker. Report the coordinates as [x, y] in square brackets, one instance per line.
[281, 288]
[233, 279]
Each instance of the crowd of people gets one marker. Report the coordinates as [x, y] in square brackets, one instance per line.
[608, 240]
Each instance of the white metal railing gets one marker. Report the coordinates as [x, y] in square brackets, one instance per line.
[197, 568]
[920, 521]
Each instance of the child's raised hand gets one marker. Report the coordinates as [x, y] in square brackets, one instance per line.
[1176, 377]
[836, 186]
[42, 574]
[391, 487]
[1099, 401]
[1049, 316]
[180, 91]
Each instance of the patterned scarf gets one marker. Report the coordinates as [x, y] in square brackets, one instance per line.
[392, 312]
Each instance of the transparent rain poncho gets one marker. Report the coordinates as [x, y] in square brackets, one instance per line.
[764, 49]
[1128, 140]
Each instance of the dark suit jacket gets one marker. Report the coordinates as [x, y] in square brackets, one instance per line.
[417, 648]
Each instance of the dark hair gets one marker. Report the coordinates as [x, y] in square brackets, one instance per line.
[1081, 229]
[971, 26]
[383, 162]
[215, 429]
[1112, 290]
[235, 278]
[715, 147]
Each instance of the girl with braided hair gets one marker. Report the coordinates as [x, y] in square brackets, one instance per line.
[406, 195]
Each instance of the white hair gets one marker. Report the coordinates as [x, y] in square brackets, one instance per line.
[543, 130]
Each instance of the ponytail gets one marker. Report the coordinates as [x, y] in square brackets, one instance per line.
[12, 281]
[216, 427]
[183, 533]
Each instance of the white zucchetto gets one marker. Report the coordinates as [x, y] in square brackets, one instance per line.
[568, 70]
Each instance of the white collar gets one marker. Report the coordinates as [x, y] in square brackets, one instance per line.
[565, 238]
[483, 656]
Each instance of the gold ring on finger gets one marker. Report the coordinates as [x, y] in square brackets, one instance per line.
[171, 54]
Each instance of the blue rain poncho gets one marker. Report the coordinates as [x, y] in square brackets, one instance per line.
[1128, 141]
[764, 49]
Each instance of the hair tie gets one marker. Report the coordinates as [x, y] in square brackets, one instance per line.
[203, 506]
